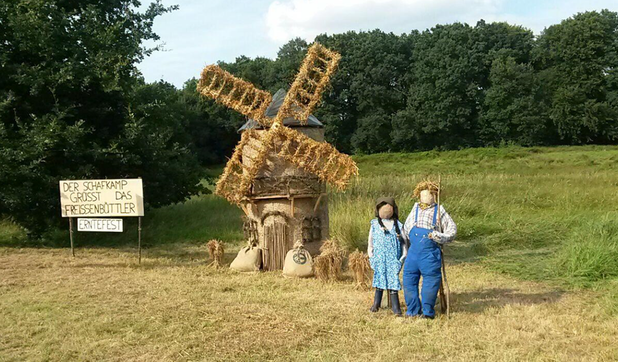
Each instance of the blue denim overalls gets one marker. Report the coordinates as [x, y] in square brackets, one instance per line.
[424, 259]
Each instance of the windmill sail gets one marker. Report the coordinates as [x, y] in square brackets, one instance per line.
[240, 170]
[309, 84]
[318, 158]
[235, 93]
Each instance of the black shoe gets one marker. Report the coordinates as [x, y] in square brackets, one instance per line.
[395, 302]
[377, 301]
[427, 316]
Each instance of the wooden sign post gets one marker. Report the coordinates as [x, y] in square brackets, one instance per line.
[94, 201]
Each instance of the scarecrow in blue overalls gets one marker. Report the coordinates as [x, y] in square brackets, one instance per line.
[427, 228]
[386, 249]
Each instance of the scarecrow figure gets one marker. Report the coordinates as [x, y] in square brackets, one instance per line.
[428, 227]
[386, 249]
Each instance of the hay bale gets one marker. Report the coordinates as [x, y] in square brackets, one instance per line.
[359, 264]
[329, 263]
[216, 251]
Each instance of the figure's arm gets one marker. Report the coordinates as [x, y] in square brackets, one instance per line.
[370, 244]
[449, 229]
[404, 247]
[409, 223]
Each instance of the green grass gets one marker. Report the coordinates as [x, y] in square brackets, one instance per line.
[532, 274]
[535, 213]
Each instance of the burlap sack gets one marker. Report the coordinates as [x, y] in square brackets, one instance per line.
[298, 263]
[249, 259]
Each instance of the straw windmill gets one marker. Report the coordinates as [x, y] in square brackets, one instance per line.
[277, 173]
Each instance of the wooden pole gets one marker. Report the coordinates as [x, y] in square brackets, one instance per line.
[445, 293]
[139, 240]
[71, 235]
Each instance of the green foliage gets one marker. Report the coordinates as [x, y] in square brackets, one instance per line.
[513, 109]
[72, 105]
[366, 90]
[212, 127]
[448, 82]
[457, 86]
[578, 64]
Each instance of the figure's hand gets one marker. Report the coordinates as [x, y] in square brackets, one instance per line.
[402, 259]
[435, 236]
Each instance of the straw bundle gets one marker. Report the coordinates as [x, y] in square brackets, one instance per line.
[215, 251]
[328, 264]
[359, 263]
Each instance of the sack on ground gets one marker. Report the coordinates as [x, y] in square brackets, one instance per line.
[298, 263]
[249, 259]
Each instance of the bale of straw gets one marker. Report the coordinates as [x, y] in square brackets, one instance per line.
[359, 264]
[216, 251]
[329, 263]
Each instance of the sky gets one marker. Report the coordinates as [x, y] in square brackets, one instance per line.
[202, 32]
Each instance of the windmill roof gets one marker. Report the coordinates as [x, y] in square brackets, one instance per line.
[273, 109]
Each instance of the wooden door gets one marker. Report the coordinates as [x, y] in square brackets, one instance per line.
[277, 242]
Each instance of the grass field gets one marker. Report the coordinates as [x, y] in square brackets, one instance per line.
[533, 274]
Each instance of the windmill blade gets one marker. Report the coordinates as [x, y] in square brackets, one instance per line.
[235, 93]
[318, 158]
[306, 90]
[237, 177]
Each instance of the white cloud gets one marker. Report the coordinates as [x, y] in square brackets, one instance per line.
[308, 18]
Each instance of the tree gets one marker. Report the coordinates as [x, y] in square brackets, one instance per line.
[513, 108]
[366, 90]
[72, 105]
[577, 62]
[448, 79]
[284, 69]
[213, 127]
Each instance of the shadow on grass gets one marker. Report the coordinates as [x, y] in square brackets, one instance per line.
[478, 301]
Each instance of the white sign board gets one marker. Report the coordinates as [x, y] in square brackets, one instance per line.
[123, 197]
[100, 225]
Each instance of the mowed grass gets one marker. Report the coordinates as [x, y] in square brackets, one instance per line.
[533, 274]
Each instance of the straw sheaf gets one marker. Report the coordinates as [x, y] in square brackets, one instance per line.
[216, 252]
[328, 265]
[359, 264]
[426, 185]
[235, 93]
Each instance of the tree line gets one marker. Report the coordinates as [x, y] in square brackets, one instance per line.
[455, 86]
[73, 104]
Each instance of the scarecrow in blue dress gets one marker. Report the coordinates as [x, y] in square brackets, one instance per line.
[427, 228]
[386, 249]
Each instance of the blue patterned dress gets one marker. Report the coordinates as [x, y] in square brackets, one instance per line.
[387, 251]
